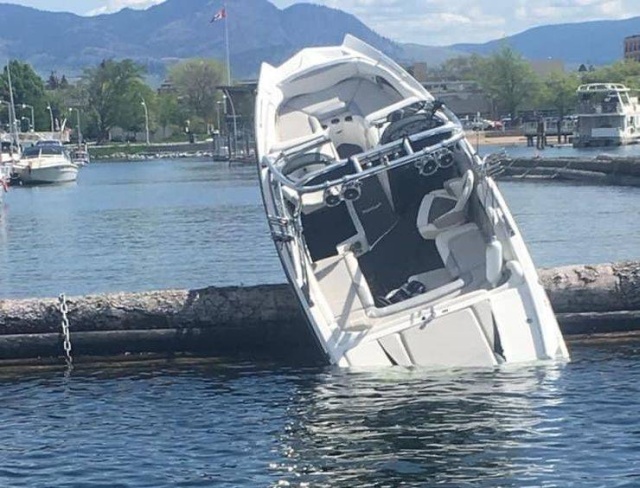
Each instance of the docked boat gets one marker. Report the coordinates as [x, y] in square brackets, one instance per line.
[395, 238]
[45, 164]
[607, 116]
[80, 155]
[5, 179]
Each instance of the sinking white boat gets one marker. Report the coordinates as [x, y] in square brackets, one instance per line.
[45, 164]
[396, 240]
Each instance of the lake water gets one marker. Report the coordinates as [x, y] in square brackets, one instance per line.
[259, 425]
[193, 223]
[189, 223]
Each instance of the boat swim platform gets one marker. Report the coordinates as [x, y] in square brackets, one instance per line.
[264, 320]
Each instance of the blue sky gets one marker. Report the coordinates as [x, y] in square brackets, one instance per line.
[431, 22]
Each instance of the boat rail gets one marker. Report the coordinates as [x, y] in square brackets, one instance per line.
[380, 153]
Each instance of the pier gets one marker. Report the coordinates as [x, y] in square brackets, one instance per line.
[264, 319]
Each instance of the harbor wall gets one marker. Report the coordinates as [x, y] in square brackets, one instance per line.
[265, 319]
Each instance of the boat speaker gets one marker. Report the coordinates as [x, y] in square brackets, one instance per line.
[427, 166]
[332, 196]
[445, 158]
[351, 191]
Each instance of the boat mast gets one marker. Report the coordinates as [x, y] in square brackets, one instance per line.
[12, 109]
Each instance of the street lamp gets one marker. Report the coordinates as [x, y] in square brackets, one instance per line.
[235, 121]
[51, 115]
[146, 119]
[77, 124]
[218, 103]
[33, 123]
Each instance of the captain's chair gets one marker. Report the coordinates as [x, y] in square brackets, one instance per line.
[443, 209]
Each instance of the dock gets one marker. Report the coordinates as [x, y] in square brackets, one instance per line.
[265, 319]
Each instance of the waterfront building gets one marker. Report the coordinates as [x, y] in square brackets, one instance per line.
[632, 47]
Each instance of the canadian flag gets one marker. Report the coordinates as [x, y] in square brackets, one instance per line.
[221, 14]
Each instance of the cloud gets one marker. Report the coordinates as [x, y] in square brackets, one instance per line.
[443, 22]
[116, 5]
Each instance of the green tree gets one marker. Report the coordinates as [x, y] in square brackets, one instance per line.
[508, 80]
[460, 68]
[196, 82]
[28, 90]
[627, 72]
[114, 90]
[559, 92]
[168, 112]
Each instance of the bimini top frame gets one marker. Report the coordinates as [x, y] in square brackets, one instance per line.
[367, 163]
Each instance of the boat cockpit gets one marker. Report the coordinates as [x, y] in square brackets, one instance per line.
[383, 198]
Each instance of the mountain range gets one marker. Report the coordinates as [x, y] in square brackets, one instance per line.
[258, 31]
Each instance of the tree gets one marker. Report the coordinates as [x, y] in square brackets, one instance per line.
[28, 89]
[53, 82]
[114, 90]
[508, 80]
[460, 68]
[627, 72]
[64, 83]
[196, 82]
[560, 92]
[169, 111]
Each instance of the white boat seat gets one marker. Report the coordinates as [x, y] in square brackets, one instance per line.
[320, 138]
[344, 288]
[441, 210]
[463, 251]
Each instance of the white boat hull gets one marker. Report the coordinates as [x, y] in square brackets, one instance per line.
[396, 241]
[63, 173]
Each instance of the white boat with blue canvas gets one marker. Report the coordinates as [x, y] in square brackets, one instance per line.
[45, 164]
[395, 238]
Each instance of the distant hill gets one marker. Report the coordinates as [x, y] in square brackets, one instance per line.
[259, 31]
[175, 30]
[597, 42]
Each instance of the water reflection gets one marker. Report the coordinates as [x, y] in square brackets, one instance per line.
[362, 429]
[251, 425]
[525, 426]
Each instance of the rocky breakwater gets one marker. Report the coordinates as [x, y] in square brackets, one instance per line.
[602, 169]
[594, 299]
[232, 321]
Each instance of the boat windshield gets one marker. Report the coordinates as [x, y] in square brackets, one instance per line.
[49, 142]
[37, 151]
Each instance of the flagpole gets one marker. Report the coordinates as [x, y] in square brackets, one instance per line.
[226, 41]
[233, 108]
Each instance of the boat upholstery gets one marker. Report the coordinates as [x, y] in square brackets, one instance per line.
[443, 209]
[463, 251]
[344, 288]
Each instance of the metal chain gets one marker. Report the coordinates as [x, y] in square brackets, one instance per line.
[66, 337]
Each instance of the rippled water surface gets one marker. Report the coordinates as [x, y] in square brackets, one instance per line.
[214, 425]
[188, 224]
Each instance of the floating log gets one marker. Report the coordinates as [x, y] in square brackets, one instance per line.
[232, 321]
